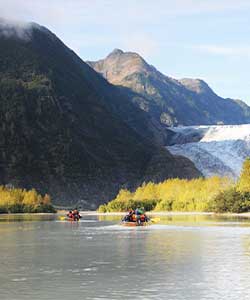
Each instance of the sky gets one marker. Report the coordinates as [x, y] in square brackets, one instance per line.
[206, 39]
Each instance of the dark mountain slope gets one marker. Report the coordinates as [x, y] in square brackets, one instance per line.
[65, 130]
[172, 102]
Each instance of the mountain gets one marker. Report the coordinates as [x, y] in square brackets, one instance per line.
[67, 131]
[171, 102]
[219, 150]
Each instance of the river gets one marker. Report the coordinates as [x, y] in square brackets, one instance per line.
[181, 257]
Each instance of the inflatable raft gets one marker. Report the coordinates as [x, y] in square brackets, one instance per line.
[62, 218]
[134, 224]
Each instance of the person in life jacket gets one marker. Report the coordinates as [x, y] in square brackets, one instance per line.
[70, 214]
[143, 218]
[76, 215]
[131, 213]
[129, 216]
[134, 218]
[139, 212]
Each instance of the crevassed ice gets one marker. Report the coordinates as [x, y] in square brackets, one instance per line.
[221, 151]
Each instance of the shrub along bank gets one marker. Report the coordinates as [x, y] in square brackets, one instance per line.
[22, 201]
[213, 194]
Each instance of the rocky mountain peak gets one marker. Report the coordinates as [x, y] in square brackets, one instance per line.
[198, 86]
[117, 56]
[170, 101]
[119, 65]
[115, 52]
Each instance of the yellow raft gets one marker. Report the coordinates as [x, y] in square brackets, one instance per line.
[134, 224]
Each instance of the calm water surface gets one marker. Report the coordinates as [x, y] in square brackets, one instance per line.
[182, 257]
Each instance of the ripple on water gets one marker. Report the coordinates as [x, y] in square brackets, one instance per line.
[22, 279]
[90, 269]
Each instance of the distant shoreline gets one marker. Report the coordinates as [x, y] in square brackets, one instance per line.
[162, 213]
[167, 213]
[28, 214]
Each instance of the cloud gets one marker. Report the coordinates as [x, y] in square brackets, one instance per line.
[73, 19]
[112, 11]
[224, 50]
[11, 28]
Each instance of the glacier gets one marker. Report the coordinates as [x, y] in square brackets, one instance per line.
[215, 150]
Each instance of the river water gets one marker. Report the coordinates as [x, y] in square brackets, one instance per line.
[181, 257]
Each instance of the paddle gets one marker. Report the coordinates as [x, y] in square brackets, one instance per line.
[155, 220]
[62, 218]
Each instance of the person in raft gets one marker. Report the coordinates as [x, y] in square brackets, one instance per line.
[74, 215]
[140, 216]
[136, 216]
[70, 214]
[129, 216]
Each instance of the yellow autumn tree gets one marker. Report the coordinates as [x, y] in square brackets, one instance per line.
[146, 192]
[124, 195]
[243, 185]
[30, 198]
[171, 195]
[15, 200]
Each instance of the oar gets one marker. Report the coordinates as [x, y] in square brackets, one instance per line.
[155, 220]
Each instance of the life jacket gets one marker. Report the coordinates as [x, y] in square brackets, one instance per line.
[143, 218]
[134, 218]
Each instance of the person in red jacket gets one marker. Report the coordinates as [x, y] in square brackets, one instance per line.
[70, 214]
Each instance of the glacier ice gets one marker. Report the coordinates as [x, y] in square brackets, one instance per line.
[220, 150]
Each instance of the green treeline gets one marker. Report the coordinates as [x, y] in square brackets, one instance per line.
[14, 200]
[213, 194]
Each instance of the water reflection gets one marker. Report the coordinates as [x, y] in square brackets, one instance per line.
[27, 217]
[189, 219]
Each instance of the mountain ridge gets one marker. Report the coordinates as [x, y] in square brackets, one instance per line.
[170, 101]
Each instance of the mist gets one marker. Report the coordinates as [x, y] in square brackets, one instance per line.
[18, 29]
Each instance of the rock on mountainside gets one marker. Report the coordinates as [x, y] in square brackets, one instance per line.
[221, 150]
[170, 101]
[65, 130]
